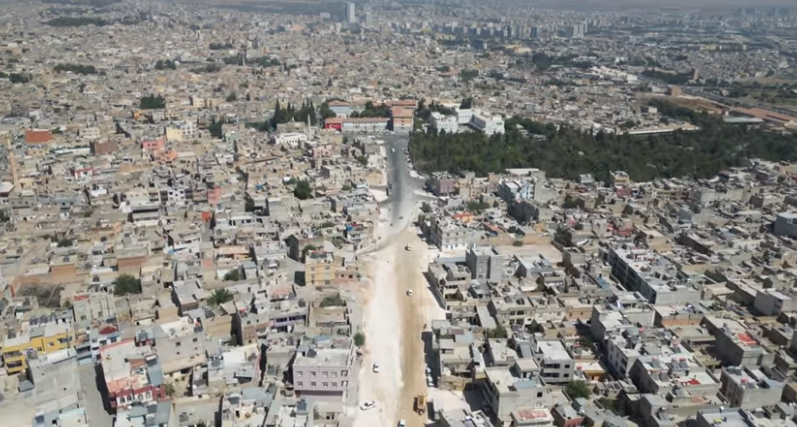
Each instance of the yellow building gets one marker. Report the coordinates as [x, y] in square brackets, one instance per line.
[319, 268]
[43, 338]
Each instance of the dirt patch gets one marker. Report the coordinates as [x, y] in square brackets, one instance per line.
[46, 295]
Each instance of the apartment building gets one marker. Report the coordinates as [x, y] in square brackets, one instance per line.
[507, 388]
[323, 372]
[319, 268]
[557, 366]
[486, 123]
[485, 263]
[749, 388]
[39, 335]
[132, 375]
[180, 344]
[444, 123]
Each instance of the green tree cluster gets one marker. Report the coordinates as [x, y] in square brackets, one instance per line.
[75, 68]
[232, 97]
[71, 21]
[477, 206]
[424, 112]
[162, 65]
[333, 301]
[152, 102]
[325, 111]
[215, 128]
[291, 113]
[208, 68]
[219, 297]
[359, 339]
[497, 332]
[372, 110]
[669, 78]
[15, 77]
[468, 75]
[578, 388]
[126, 284]
[567, 152]
[302, 190]
[220, 46]
[232, 275]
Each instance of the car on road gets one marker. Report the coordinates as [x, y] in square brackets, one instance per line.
[429, 381]
[428, 370]
[402, 423]
[401, 217]
[409, 292]
[376, 368]
[408, 247]
[368, 405]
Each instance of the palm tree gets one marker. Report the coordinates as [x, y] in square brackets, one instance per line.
[220, 296]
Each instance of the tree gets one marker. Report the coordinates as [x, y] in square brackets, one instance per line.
[578, 388]
[220, 296]
[232, 276]
[477, 206]
[302, 191]
[362, 160]
[308, 248]
[4, 218]
[215, 129]
[517, 243]
[327, 224]
[326, 112]
[169, 389]
[333, 301]
[65, 242]
[232, 97]
[126, 284]
[152, 102]
[498, 332]
[359, 339]
[466, 104]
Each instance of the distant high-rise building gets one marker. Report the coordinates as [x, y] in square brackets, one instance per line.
[368, 20]
[577, 31]
[351, 18]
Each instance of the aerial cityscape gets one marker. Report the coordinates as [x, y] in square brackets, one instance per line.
[443, 213]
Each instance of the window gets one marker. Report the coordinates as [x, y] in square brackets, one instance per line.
[312, 383]
[299, 373]
[334, 384]
[539, 394]
[178, 344]
[196, 339]
[344, 374]
[334, 374]
[325, 384]
[344, 383]
[312, 373]
[324, 374]
[299, 383]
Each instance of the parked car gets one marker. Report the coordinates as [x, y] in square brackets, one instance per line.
[402, 423]
[368, 405]
[429, 381]
[409, 292]
[376, 368]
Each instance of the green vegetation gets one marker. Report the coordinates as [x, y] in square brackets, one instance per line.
[424, 112]
[333, 301]
[308, 248]
[302, 191]
[325, 111]
[215, 128]
[468, 75]
[15, 77]
[232, 97]
[219, 297]
[291, 114]
[266, 61]
[4, 218]
[162, 65]
[126, 284]
[498, 332]
[477, 206]
[359, 339]
[568, 152]
[578, 388]
[517, 243]
[669, 78]
[220, 46]
[372, 110]
[75, 68]
[232, 276]
[327, 224]
[169, 389]
[152, 102]
[362, 160]
[345, 187]
[65, 242]
[612, 405]
[209, 68]
[70, 21]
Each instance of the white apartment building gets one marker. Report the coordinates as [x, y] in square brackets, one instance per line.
[443, 123]
[490, 125]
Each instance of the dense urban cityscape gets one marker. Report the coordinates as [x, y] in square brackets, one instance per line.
[435, 213]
